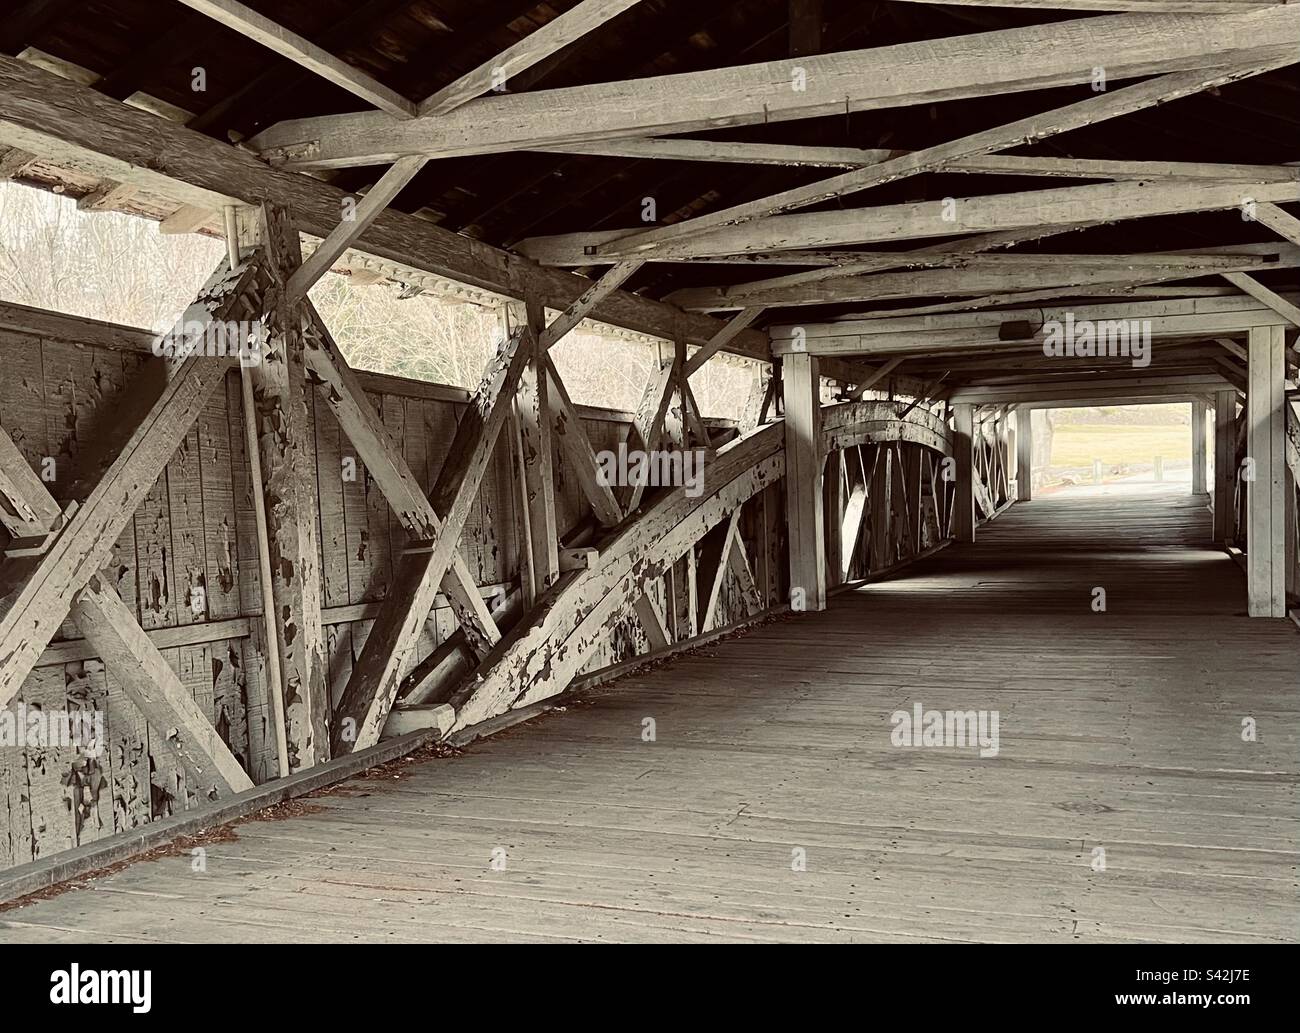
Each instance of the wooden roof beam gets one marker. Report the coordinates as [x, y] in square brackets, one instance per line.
[1091, 387]
[1280, 222]
[970, 253]
[799, 155]
[1097, 108]
[569, 26]
[66, 122]
[976, 331]
[983, 64]
[1275, 301]
[536, 46]
[986, 274]
[1061, 206]
[248, 22]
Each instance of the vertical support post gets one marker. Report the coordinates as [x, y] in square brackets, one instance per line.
[682, 601]
[1292, 579]
[1198, 448]
[270, 631]
[833, 505]
[289, 488]
[803, 482]
[535, 440]
[963, 517]
[1225, 465]
[1266, 474]
[912, 477]
[1024, 455]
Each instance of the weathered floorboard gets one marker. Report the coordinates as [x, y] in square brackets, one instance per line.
[1118, 729]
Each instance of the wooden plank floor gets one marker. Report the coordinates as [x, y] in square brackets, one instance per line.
[1119, 730]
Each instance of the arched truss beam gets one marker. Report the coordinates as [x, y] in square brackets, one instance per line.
[541, 655]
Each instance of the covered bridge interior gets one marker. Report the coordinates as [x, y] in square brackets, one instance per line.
[922, 221]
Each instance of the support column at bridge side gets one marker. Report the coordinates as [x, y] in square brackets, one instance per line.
[1024, 455]
[1198, 448]
[1225, 465]
[1265, 448]
[963, 515]
[805, 520]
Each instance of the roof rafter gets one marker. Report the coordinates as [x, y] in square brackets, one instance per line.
[1029, 58]
[1087, 112]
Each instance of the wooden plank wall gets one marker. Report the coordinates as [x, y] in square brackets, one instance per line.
[187, 564]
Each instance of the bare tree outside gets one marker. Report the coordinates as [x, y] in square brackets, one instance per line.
[119, 268]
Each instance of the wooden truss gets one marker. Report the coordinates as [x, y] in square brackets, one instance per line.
[806, 495]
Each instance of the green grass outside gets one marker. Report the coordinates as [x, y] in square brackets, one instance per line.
[1079, 444]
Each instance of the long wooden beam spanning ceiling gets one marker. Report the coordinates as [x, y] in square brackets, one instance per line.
[982, 64]
[490, 74]
[986, 274]
[812, 156]
[1062, 206]
[1010, 328]
[1097, 108]
[1280, 222]
[71, 124]
[1084, 295]
[1094, 386]
[289, 44]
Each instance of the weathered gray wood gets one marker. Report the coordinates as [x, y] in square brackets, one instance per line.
[492, 74]
[1033, 57]
[652, 621]
[30, 613]
[979, 331]
[1265, 474]
[69, 122]
[1225, 466]
[437, 718]
[1275, 301]
[810, 156]
[714, 559]
[46, 872]
[971, 253]
[349, 229]
[583, 305]
[26, 508]
[648, 427]
[1100, 107]
[343, 392]
[963, 518]
[728, 333]
[1024, 456]
[495, 73]
[250, 23]
[281, 404]
[211, 770]
[667, 852]
[576, 446]
[542, 653]
[533, 409]
[186, 219]
[370, 691]
[983, 274]
[801, 388]
[1095, 386]
[1199, 469]
[1279, 221]
[1025, 209]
